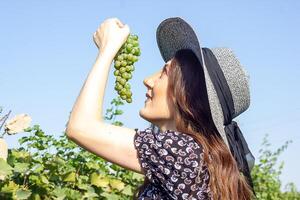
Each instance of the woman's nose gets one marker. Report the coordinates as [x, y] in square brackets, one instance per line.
[149, 81]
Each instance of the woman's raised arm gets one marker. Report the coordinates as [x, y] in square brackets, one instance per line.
[86, 126]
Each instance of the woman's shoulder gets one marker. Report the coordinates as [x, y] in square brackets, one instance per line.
[168, 138]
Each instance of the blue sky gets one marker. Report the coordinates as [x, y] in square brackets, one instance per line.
[47, 52]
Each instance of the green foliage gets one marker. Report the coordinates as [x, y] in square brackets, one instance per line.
[113, 112]
[45, 167]
[265, 174]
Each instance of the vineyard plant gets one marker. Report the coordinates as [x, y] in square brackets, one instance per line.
[49, 167]
[46, 167]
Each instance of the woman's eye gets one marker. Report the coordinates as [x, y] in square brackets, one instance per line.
[161, 74]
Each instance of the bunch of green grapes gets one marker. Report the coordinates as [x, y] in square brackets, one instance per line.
[124, 66]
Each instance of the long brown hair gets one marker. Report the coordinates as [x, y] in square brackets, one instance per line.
[187, 92]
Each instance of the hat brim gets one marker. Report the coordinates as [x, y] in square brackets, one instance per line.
[174, 34]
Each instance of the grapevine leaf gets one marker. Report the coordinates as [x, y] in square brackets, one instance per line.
[23, 194]
[5, 169]
[44, 179]
[69, 177]
[59, 193]
[90, 193]
[9, 187]
[98, 180]
[73, 194]
[110, 196]
[137, 176]
[21, 167]
[127, 190]
[117, 184]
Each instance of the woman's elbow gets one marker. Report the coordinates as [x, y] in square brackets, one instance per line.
[74, 129]
[71, 131]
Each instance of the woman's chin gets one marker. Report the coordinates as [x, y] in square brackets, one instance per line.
[144, 113]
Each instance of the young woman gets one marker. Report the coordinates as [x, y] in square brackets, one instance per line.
[183, 155]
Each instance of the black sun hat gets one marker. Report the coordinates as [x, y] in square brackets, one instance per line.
[227, 84]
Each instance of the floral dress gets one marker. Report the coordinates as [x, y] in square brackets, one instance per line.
[173, 163]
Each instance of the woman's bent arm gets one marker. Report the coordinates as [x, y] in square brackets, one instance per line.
[87, 128]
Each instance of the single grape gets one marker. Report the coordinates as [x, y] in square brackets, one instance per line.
[135, 43]
[124, 75]
[127, 86]
[123, 91]
[120, 57]
[118, 78]
[124, 56]
[135, 37]
[122, 81]
[123, 63]
[132, 51]
[128, 93]
[135, 58]
[119, 87]
[129, 100]
[129, 57]
[122, 70]
[132, 68]
[137, 51]
[128, 68]
[117, 63]
[116, 72]
[129, 47]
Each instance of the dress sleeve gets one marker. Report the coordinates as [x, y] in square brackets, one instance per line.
[173, 161]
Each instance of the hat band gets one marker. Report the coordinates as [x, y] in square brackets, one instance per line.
[237, 143]
[220, 84]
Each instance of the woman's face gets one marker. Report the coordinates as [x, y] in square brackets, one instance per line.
[158, 106]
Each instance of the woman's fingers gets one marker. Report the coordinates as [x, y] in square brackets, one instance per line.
[119, 22]
[112, 32]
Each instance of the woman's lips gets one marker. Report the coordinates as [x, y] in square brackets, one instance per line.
[147, 100]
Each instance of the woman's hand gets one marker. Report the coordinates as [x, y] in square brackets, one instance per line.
[111, 35]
